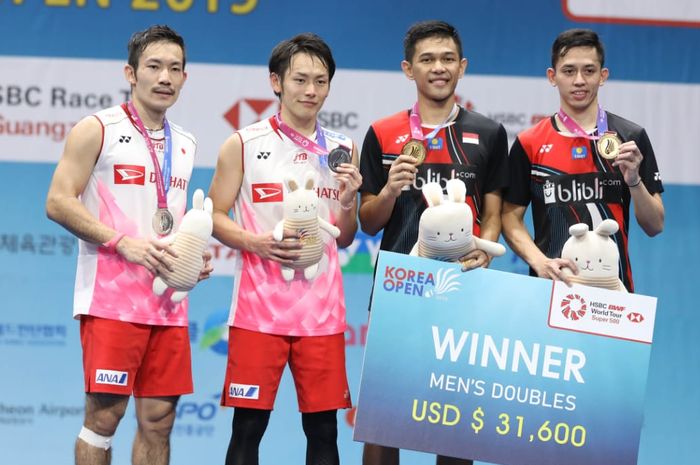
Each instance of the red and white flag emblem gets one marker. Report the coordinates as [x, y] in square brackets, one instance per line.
[470, 138]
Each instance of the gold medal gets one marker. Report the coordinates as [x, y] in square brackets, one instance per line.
[416, 149]
[609, 145]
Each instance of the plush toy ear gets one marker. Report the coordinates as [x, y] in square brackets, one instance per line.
[607, 228]
[309, 180]
[208, 205]
[291, 183]
[578, 230]
[432, 193]
[456, 190]
[198, 199]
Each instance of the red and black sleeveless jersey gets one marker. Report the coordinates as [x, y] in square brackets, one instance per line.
[567, 182]
[473, 148]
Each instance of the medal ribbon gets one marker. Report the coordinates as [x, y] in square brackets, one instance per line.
[304, 142]
[162, 178]
[574, 128]
[415, 123]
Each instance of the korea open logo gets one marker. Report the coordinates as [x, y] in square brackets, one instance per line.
[247, 111]
[573, 307]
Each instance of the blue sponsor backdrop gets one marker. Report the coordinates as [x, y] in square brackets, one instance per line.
[499, 35]
[41, 381]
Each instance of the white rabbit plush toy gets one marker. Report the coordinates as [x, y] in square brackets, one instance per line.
[189, 243]
[301, 214]
[595, 254]
[445, 227]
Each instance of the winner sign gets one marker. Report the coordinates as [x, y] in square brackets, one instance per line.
[502, 367]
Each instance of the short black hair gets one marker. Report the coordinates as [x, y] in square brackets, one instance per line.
[158, 33]
[577, 38]
[308, 43]
[427, 29]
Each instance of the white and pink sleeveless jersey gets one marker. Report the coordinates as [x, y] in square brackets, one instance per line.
[262, 300]
[121, 193]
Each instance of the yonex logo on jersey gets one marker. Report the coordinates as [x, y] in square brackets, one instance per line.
[244, 391]
[129, 174]
[263, 155]
[300, 158]
[116, 378]
[546, 148]
[401, 139]
[124, 139]
[267, 192]
[657, 176]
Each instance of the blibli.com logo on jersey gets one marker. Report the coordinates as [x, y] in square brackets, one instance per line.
[116, 378]
[243, 391]
[434, 176]
[572, 190]
[420, 283]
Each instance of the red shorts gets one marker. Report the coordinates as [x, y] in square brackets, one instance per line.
[256, 362]
[125, 358]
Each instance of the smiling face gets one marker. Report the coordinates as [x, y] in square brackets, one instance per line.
[303, 89]
[594, 255]
[436, 67]
[446, 227]
[578, 75]
[158, 78]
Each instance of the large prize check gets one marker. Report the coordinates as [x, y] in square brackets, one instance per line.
[502, 367]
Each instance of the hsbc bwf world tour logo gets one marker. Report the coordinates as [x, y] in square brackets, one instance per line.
[573, 307]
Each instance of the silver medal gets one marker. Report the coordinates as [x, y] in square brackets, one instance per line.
[337, 156]
[162, 222]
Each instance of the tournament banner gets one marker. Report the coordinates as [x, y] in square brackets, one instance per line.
[501, 367]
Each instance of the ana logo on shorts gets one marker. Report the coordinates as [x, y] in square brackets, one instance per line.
[573, 307]
[117, 378]
[243, 391]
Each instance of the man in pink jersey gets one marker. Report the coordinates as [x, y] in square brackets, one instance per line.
[120, 185]
[275, 321]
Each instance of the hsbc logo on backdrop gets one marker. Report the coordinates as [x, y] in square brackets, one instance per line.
[247, 111]
[267, 192]
[129, 174]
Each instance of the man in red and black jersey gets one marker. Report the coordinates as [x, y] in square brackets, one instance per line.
[557, 166]
[458, 144]
[466, 146]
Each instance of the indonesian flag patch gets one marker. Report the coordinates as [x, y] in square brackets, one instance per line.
[470, 138]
